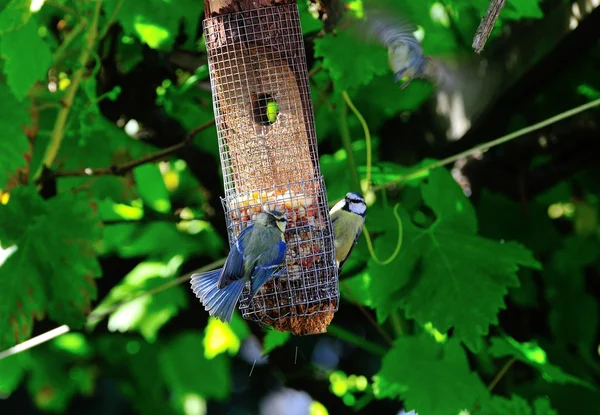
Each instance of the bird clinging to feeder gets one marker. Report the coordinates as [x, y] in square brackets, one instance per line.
[268, 150]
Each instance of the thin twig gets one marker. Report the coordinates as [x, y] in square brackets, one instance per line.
[487, 24]
[352, 338]
[61, 51]
[387, 338]
[315, 71]
[501, 373]
[58, 132]
[123, 168]
[486, 146]
[103, 313]
[111, 19]
[62, 7]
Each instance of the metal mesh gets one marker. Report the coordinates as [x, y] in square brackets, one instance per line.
[268, 151]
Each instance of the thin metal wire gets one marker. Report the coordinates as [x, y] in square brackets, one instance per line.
[268, 150]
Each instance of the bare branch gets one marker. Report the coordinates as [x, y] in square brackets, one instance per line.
[487, 24]
[123, 168]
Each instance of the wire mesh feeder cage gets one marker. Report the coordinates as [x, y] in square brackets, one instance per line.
[268, 151]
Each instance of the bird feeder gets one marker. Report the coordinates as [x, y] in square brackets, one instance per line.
[268, 151]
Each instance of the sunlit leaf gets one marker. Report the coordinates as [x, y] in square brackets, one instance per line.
[532, 354]
[151, 187]
[409, 365]
[219, 338]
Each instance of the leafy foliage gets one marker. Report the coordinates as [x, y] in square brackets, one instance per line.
[489, 305]
[446, 274]
[41, 275]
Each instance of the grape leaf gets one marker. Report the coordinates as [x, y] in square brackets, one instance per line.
[151, 187]
[421, 369]
[308, 22]
[27, 57]
[53, 275]
[446, 274]
[186, 370]
[516, 405]
[100, 145]
[145, 314]
[13, 370]
[533, 355]
[522, 9]
[274, 339]
[350, 62]
[15, 15]
[15, 151]
[54, 379]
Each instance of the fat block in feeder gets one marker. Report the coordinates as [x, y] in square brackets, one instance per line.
[269, 158]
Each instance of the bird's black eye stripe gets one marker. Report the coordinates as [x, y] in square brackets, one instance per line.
[356, 200]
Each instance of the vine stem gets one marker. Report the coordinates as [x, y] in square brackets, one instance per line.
[367, 135]
[501, 373]
[58, 132]
[352, 338]
[486, 146]
[347, 142]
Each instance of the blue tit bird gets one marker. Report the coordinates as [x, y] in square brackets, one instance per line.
[347, 217]
[258, 252]
[405, 54]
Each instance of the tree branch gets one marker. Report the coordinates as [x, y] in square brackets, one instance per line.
[487, 24]
[58, 132]
[123, 168]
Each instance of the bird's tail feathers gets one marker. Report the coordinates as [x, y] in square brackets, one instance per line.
[219, 303]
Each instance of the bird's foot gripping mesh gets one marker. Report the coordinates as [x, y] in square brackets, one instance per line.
[268, 150]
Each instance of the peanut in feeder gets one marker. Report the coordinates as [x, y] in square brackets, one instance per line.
[269, 158]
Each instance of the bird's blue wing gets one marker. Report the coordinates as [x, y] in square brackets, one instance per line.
[233, 269]
[264, 270]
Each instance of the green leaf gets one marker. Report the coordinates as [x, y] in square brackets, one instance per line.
[54, 378]
[522, 9]
[308, 21]
[15, 15]
[53, 266]
[99, 145]
[13, 370]
[422, 369]
[446, 274]
[15, 150]
[151, 187]
[219, 338]
[148, 313]
[156, 22]
[187, 371]
[350, 62]
[533, 355]
[274, 339]
[516, 405]
[27, 57]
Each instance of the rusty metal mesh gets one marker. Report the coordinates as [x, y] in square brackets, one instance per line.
[268, 150]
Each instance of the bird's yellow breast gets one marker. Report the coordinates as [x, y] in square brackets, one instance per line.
[346, 226]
